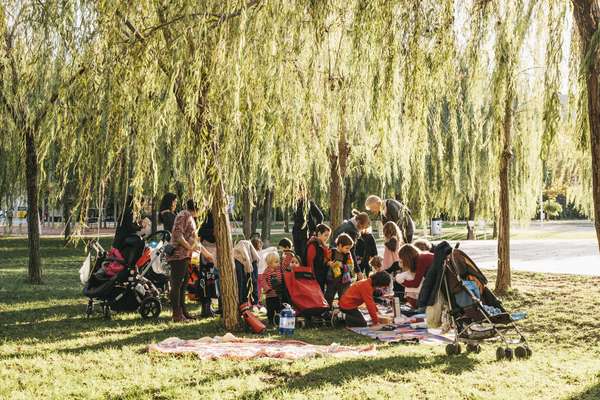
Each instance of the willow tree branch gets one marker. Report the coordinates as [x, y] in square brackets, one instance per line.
[220, 18]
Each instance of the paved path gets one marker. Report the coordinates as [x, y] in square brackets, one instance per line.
[577, 256]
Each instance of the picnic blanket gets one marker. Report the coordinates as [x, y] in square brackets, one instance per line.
[231, 347]
[404, 333]
[411, 329]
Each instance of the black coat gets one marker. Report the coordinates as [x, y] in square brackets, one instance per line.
[167, 217]
[433, 278]
[207, 229]
[307, 223]
[366, 247]
[400, 214]
[126, 227]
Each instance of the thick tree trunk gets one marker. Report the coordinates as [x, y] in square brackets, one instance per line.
[471, 229]
[33, 221]
[267, 214]
[587, 18]
[247, 213]
[338, 164]
[229, 290]
[349, 196]
[336, 193]
[503, 279]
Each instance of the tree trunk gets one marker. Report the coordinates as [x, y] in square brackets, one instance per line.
[471, 229]
[587, 17]
[67, 212]
[154, 216]
[247, 213]
[229, 290]
[33, 221]
[503, 279]
[254, 224]
[286, 219]
[267, 213]
[338, 165]
[349, 197]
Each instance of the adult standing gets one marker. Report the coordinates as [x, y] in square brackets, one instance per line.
[353, 227]
[185, 240]
[306, 220]
[393, 210]
[318, 254]
[166, 214]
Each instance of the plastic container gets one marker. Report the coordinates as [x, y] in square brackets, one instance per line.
[287, 320]
[436, 227]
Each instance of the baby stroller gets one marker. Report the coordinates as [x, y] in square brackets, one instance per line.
[476, 314]
[305, 296]
[126, 291]
[153, 264]
[202, 284]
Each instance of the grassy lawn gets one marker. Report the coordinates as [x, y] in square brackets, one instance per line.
[49, 350]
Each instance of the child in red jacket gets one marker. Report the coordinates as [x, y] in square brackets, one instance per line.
[362, 292]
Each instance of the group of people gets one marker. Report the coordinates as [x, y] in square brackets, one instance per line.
[344, 260]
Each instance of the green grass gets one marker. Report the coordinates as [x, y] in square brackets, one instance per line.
[49, 350]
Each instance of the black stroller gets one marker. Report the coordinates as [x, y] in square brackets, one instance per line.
[476, 314]
[127, 291]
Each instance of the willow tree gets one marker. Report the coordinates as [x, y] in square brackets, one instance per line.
[587, 18]
[39, 64]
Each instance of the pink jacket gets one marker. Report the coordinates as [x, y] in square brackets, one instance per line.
[389, 257]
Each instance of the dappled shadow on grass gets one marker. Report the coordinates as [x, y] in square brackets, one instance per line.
[345, 370]
[591, 393]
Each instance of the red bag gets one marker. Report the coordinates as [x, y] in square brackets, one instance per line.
[305, 292]
[114, 267]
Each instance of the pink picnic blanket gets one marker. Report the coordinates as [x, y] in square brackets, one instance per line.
[231, 347]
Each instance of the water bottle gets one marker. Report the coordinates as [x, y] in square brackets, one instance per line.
[287, 320]
[518, 315]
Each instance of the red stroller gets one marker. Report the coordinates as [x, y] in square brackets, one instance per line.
[306, 297]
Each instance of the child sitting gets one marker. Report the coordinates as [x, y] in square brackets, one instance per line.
[271, 280]
[376, 264]
[361, 292]
[393, 241]
[341, 268]
[423, 244]
[285, 247]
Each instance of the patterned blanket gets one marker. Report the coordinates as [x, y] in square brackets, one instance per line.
[231, 347]
[406, 330]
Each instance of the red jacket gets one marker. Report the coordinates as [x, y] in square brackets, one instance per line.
[357, 294]
[424, 261]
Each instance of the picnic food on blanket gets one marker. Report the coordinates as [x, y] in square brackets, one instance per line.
[231, 347]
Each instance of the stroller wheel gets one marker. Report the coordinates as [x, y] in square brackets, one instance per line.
[529, 352]
[509, 354]
[520, 352]
[453, 349]
[150, 308]
[500, 354]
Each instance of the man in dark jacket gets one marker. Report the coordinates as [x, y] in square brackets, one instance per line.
[305, 224]
[393, 210]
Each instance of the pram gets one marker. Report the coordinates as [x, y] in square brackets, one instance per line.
[126, 291]
[476, 314]
[153, 264]
[202, 283]
[305, 295]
